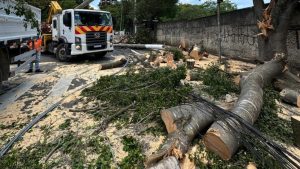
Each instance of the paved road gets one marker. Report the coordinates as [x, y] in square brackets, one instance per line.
[33, 93]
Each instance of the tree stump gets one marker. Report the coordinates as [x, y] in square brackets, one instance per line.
[190, 63]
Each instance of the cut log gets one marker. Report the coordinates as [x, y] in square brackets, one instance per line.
[296, 129]
[195, 53]
[223, 136]
[113, 64]
[290, 96]
[183, 123]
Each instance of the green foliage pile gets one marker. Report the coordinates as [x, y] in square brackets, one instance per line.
[217, 82]
[269, 122]
[105, 158]
[135, 158]
[177, 54]
[239, 161]
[152, 90]
[73, 146]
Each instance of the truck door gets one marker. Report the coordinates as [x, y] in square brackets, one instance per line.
[67, 27]
[55, 29]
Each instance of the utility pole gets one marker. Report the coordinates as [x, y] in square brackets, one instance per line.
[121, 20]
[219, 28]
[135, 20]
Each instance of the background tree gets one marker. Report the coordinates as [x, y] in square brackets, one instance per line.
[122, 13]
[44, 5]
[188, 11]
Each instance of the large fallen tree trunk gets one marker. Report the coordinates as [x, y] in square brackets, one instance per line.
[183, 123]
[223, 136]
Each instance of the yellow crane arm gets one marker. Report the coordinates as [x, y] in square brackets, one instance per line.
[55, 8]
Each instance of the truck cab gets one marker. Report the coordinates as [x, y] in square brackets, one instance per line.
[80, 31]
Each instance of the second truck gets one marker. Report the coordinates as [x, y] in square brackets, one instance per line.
[74, 32]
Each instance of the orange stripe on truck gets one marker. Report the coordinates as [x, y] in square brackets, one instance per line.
[84, 29]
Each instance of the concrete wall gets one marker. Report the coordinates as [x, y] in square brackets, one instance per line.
[238, 34]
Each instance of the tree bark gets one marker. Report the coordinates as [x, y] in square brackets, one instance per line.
[223, 136]
[183, 123]
[167, 163]
[296, 129]
[275, 42]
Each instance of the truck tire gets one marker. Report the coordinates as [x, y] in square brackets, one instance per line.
[4, 65]
[62, 53]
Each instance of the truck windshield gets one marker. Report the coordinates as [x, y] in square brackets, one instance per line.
[83, 18]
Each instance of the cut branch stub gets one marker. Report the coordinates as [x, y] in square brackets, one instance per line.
[223, 136]
[290, 96]
[183, 123]
[189, 118]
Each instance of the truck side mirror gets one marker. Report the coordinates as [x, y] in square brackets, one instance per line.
[67, 19]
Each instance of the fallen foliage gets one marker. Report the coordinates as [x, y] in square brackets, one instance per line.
[152, 90]
[217, 82]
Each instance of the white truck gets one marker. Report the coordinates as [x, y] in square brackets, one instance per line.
[78, 31]
[13, 34]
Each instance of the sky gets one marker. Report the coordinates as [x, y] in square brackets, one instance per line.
[240, 3]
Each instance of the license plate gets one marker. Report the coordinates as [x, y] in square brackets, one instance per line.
[97, 46]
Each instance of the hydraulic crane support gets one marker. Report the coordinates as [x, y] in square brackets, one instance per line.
[55, 8]
[84, 4]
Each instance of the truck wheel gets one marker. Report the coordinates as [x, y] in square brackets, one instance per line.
[61, 53]
[4, 65]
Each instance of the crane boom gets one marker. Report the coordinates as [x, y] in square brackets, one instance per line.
[84, 4]
[55, 8]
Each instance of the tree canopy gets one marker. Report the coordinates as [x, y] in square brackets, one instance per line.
[188, 11]
[147, 10]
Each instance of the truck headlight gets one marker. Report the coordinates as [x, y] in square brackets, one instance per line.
[78, 47]
[78, 43]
